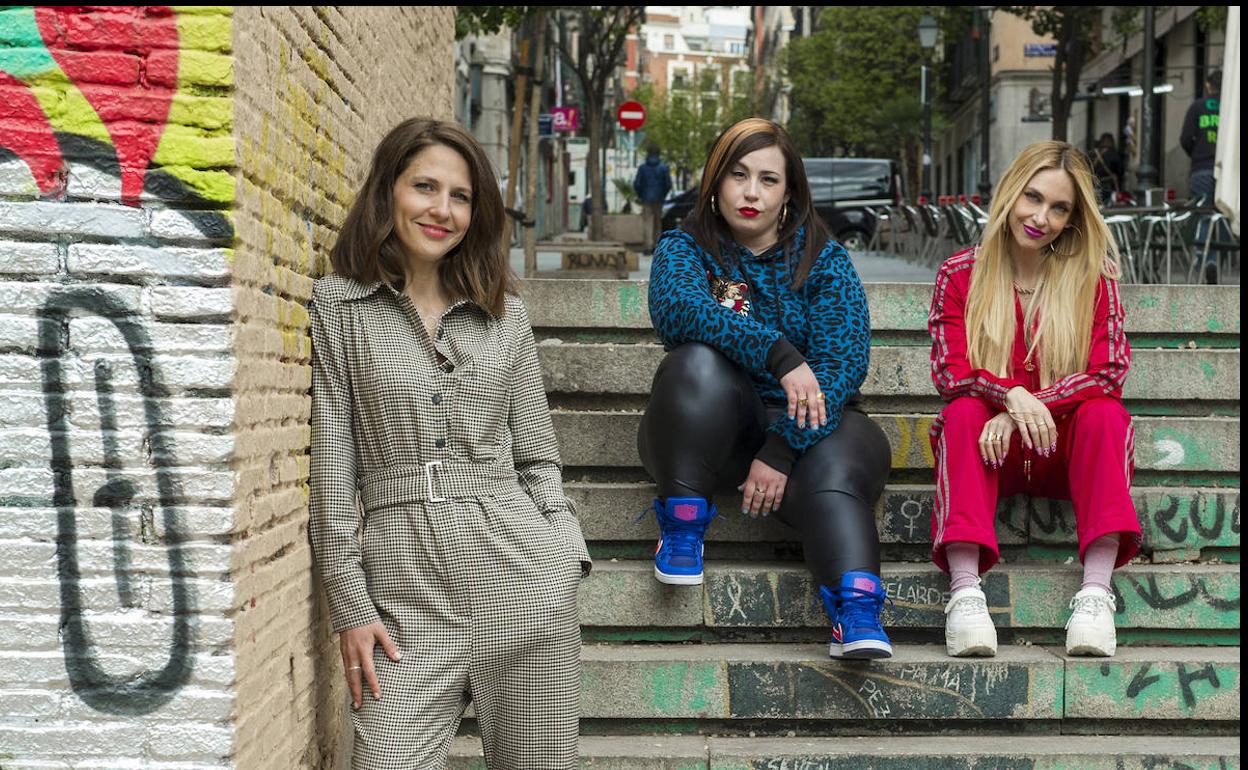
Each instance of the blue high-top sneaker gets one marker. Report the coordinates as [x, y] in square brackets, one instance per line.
[855, 609]
[682, 524]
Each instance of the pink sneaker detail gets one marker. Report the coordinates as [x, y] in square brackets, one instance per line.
[866, 584]
[686, 512]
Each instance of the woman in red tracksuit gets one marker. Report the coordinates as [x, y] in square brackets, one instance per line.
[1029, 351]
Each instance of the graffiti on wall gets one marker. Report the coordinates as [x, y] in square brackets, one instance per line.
[121, 76]
[121, 96]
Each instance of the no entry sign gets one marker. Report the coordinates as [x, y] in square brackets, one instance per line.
[631, 115]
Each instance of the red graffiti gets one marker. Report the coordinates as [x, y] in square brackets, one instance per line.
[29, 135]
[124, 61]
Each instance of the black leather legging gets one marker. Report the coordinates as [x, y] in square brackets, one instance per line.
[705, 423]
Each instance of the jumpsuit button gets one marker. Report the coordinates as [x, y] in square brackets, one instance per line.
[440, 443]
[437, 398]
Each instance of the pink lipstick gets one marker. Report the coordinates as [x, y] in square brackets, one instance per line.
[1033, 232]
[433, 231]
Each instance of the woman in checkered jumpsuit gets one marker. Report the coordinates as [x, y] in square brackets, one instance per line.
[458, 583]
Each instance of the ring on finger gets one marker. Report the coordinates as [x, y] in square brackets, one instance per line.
[802, 401]
[355, 668]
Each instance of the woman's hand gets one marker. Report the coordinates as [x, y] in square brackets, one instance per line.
[994, 439]
[763, 489]
[805, 398]
[357, 657]
[1033, 419]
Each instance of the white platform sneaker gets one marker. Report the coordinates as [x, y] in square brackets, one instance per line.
[1090, 630]
[968, 626]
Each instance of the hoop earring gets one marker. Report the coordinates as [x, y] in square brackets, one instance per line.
[714, 210]
[784, 215]
[1070, 252]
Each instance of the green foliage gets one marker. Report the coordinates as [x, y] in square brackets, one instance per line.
[855, 78]
[625, 188]
[489, 19]
[683, 122]
[1212, 18]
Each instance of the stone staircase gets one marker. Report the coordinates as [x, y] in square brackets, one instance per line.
[735, 673]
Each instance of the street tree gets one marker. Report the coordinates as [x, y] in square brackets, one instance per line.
[856, 82]
[682, 122]
[600, 33]
[1078, 34]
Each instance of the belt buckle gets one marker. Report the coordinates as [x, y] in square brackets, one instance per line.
[429, 466]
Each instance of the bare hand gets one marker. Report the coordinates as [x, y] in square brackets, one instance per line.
[357, 657]
[994, 439]
[1033, 419]
[805, 397]
[763, 490]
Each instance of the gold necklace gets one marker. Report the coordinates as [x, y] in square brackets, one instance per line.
[1025, 292]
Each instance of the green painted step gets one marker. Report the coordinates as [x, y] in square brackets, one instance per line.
[1064, 752]
[1174, 444]
[894, 752]
[611, 304]
[1171, 518]
[624, 594]
[642, 752]
[1202, 375]
[799, 682]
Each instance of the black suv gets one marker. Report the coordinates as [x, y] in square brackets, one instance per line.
[842, 189]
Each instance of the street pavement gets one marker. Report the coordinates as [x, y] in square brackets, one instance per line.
[873, 267]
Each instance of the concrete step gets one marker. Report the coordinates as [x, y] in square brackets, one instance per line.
[1178, 311]
[1172, 444]
[799, 682]
[776, 595]
[1174, 519]
[894, 372]
[896, 752]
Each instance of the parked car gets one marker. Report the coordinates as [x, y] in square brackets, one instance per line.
[677, 205]
[843, 190]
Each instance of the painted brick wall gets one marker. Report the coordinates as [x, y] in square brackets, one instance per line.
[170, 181]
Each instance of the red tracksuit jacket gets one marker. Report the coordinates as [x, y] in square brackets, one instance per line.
[1109, 356]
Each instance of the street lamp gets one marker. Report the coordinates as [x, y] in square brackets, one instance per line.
[927, 39]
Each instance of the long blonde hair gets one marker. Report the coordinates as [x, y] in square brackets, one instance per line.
[1070, 273]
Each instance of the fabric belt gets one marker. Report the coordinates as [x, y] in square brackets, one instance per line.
[435, 482]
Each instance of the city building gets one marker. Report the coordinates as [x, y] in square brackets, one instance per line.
[1020, 87]
[773, 26]
[693, 46]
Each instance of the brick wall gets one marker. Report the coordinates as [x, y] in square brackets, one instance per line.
[315, 91]
[170, 181]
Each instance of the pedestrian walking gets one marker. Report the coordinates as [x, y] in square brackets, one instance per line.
[1199, 140]
[652, 183]
[428, 409]
[1029, 351]
[766, 326]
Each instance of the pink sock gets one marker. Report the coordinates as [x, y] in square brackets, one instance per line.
[1098, 561]
[963, 565]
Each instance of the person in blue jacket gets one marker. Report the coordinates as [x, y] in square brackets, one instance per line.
[766, 326]
[652, 183]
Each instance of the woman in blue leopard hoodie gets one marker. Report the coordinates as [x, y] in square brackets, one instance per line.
[766, 327]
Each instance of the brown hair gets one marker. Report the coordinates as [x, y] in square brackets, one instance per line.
[477, 268]
[710, 230]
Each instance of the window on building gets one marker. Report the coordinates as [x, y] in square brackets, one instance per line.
[680, 79]
[669, 42]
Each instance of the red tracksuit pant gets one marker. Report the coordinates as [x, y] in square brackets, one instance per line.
[1092, 467]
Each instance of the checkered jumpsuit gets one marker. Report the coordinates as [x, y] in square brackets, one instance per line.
[467, 551]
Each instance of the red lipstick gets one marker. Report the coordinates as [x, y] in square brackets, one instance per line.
[746, 211]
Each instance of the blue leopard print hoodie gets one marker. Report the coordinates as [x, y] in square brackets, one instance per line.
[824, 324]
